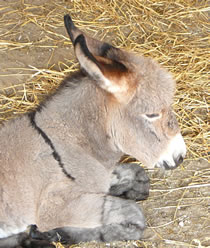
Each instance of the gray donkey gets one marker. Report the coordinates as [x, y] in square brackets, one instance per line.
[59, 170]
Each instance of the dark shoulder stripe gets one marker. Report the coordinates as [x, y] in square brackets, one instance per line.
[49, 142]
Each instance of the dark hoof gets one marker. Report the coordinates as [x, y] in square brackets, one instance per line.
[130, 181]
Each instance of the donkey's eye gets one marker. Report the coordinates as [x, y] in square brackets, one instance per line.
[152, 117]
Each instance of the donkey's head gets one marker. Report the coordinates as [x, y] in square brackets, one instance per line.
[140, 120]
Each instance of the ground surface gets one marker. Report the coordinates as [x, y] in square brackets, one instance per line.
[32, 38]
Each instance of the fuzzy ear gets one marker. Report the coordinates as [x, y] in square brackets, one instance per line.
[96, 47]
[109, 75]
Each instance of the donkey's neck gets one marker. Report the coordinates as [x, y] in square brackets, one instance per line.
[77, 114]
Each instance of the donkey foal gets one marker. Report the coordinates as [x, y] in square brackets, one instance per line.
[59, 167]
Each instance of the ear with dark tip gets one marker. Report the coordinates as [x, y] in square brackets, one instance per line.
[72, 30]
[107, 74]
[96, 47]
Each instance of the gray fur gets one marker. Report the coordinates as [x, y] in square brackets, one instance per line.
[57, 163]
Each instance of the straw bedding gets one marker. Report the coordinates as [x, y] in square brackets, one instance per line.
[36, 54]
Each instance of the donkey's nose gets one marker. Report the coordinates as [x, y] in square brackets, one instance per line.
[170, 166]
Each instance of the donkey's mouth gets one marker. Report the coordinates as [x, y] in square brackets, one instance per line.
[170, 166]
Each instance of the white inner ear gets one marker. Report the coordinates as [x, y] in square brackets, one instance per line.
[95, 72]
[113, 87]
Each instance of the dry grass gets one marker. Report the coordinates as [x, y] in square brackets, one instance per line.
[175, 33]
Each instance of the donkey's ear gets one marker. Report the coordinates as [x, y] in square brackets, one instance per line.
[72, 30]
[96, 47]
[109, 75]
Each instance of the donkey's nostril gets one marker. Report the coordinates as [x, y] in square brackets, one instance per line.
[179, 160]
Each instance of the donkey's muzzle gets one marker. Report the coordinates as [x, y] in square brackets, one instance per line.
[174, 155]
[168, 166]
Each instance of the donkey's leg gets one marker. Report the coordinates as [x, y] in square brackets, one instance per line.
[130, 181]
[111, 218]
[122, 220]
[23, 240]
[13, 240]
